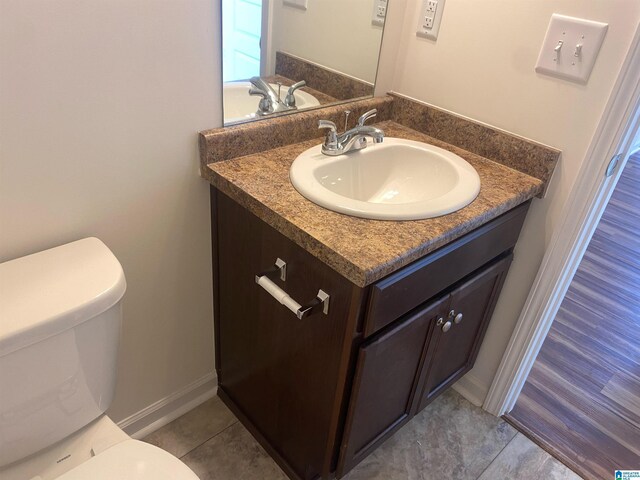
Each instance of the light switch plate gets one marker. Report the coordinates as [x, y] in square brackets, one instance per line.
[429, 18]
[301, 4]
[379, 12]
[570, 48]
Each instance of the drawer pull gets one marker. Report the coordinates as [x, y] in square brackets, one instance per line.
[320, 303]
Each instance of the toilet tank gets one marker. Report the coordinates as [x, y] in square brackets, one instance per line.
[60, 315]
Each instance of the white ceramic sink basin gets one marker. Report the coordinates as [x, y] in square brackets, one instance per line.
[394, 180]
[239, 105]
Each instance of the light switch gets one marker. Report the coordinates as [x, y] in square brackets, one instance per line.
[429, 18]
[570, 48]
[379, 12]
[301, 4]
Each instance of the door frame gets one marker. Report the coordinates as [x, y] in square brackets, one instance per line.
[617, 129]
[267, 56]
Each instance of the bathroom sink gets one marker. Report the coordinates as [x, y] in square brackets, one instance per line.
[239, 105]
[394, 180]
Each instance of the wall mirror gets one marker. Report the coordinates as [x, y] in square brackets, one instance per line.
[284, 56]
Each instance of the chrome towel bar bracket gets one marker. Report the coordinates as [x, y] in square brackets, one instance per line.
[279, 269]
[318, 304]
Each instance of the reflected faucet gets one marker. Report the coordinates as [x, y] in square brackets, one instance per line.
[270, 102]
[290, 99]
[351, 140]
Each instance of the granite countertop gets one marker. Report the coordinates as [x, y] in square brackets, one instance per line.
[363, 250]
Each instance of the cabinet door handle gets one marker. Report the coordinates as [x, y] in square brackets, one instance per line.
[320, 303]
[457, 318]
[444, 326]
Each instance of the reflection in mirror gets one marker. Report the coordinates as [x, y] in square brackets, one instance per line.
[283, 56]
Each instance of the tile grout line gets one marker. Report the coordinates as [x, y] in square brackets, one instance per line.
[211, 437]
[498, 454]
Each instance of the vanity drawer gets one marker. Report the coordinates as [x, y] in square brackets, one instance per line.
[402, 291]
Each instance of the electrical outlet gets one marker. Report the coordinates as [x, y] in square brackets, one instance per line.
[428, 23]
[430, 18]
[379, 12]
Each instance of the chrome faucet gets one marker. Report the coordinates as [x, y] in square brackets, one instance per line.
[270, 101]
[351, 140]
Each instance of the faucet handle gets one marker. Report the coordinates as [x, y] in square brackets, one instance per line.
[265, 106]
[366, 116]
[290, 99]
[328, 124]
[296, 86]
[257, 91]
[331, 140]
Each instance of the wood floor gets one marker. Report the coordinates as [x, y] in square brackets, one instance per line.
[582, 400]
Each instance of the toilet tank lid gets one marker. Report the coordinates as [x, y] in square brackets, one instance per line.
[48, 292]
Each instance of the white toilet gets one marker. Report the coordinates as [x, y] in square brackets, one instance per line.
[60, 314]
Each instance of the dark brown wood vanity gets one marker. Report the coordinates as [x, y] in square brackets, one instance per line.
[321, 393]
[409, 304]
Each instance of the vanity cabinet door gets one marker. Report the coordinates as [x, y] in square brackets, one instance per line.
[456, 339]
[384, 384]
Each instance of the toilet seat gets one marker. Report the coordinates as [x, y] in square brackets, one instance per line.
[131, 460]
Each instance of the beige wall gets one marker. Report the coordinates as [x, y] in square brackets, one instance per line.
[482, 66]
[100, 103]
[337, 34]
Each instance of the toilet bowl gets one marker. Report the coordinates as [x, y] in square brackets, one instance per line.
[60, 316]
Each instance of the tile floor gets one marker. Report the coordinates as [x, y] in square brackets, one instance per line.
[451, 438]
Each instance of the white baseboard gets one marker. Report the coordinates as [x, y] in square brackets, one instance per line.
[472, 388]
[167, 409]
